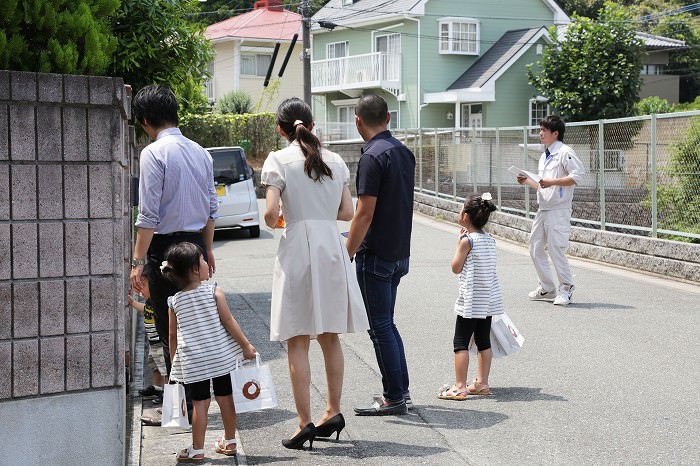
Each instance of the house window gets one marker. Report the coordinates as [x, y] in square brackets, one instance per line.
[255, 65]
[459, 36]
[648, 70]
[346, 121]
[539, 109]
[613, 160]
[209, 84]
[394, 121]
[388, 43]
[337, 50]
[472, 115]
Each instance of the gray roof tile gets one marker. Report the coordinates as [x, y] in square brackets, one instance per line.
[487, 65]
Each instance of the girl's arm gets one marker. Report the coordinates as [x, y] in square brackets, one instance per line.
[463, 248]
[272, 206]
[232, 326]
[172, 334]
[346, 210]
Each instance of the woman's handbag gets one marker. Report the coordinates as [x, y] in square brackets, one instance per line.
[174, 406]
[252, 387]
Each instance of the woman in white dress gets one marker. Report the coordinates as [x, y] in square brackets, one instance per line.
[314, 287]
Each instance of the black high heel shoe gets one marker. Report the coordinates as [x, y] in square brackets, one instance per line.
[297, 442]
[334, 424]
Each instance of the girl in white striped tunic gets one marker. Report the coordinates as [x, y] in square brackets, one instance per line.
[479, 297]
[205, 342]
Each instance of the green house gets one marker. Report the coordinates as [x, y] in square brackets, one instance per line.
[438, 63]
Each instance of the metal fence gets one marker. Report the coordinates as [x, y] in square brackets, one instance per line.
[643, 173]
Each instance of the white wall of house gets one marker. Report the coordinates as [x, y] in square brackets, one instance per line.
[241, 65]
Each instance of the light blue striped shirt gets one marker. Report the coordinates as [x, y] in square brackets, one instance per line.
[176, 185]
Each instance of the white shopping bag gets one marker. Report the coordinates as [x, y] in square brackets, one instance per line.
[252, 387]
[504, 331]
[505, 337]
[174, 406]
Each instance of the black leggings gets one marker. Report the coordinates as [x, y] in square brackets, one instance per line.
[480, 328]
[202, 390]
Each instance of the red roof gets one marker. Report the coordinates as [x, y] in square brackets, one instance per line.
[269, 20]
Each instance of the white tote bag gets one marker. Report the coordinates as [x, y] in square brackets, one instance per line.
[506, 334]
[505, 337]
[252, 387]
[174, 406]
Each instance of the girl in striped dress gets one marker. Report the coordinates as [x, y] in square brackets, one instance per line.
[205, 342]
[479, 297]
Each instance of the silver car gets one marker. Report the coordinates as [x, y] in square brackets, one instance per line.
[238, 204]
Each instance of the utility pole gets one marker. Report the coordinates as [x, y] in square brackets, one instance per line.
[306, 53]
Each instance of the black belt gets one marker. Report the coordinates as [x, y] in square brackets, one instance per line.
[180, 233]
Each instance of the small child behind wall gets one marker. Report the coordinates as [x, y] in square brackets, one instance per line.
[156, 359]
[479, 297]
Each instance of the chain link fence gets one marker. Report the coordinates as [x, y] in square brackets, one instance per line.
[642, 174]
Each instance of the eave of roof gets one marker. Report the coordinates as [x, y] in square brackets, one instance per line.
[257, 24]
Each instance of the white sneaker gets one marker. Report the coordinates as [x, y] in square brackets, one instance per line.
[541, 295]
[564, 295]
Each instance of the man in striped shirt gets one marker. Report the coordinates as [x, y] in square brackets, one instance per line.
[177, 198]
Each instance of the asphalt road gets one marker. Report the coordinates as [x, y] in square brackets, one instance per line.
[611, 379]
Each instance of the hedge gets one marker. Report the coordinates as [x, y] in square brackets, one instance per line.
[255, 132]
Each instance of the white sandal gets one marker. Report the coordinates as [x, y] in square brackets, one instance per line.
[187, 455]
[222, 446]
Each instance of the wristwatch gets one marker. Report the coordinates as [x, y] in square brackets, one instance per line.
[138, 262]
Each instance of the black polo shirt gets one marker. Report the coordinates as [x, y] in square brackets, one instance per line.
[387, 171]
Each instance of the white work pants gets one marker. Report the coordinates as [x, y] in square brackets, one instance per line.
[550, 234]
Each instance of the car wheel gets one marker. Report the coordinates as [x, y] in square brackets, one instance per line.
[254, 231]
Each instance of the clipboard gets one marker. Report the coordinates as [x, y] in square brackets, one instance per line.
[519, 171]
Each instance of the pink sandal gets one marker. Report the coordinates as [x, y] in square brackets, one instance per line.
[479, 389]
[448, 392]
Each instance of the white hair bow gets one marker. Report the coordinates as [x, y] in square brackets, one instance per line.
[486, 196]
[163, 265]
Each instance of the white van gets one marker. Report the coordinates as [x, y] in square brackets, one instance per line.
[238, 205]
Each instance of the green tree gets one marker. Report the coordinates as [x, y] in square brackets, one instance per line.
[682, 26]
[158, 43]
[57, 36]
[592, 71]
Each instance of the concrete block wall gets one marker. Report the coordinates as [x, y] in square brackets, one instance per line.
[661, 257]
[64, 235]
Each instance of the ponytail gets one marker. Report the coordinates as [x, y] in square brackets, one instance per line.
[294, 117]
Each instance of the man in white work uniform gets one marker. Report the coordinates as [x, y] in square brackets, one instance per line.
[559, 171]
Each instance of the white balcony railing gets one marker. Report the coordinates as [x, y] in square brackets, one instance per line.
[337, 131]
[382, 70]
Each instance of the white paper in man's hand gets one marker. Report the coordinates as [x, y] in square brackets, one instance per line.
[519, 171]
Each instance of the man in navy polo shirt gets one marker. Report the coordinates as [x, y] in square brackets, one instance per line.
[379, 238]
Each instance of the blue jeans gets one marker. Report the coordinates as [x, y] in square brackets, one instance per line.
[379, 279]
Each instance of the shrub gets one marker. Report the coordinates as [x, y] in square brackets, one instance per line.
[237, 102]
[254, 131]
[651, 105]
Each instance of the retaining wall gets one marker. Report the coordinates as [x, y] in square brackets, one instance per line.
[64, 239]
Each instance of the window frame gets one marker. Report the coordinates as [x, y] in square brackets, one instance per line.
[257, 71]
[450, 40]
[537, 100]
[328, 49]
